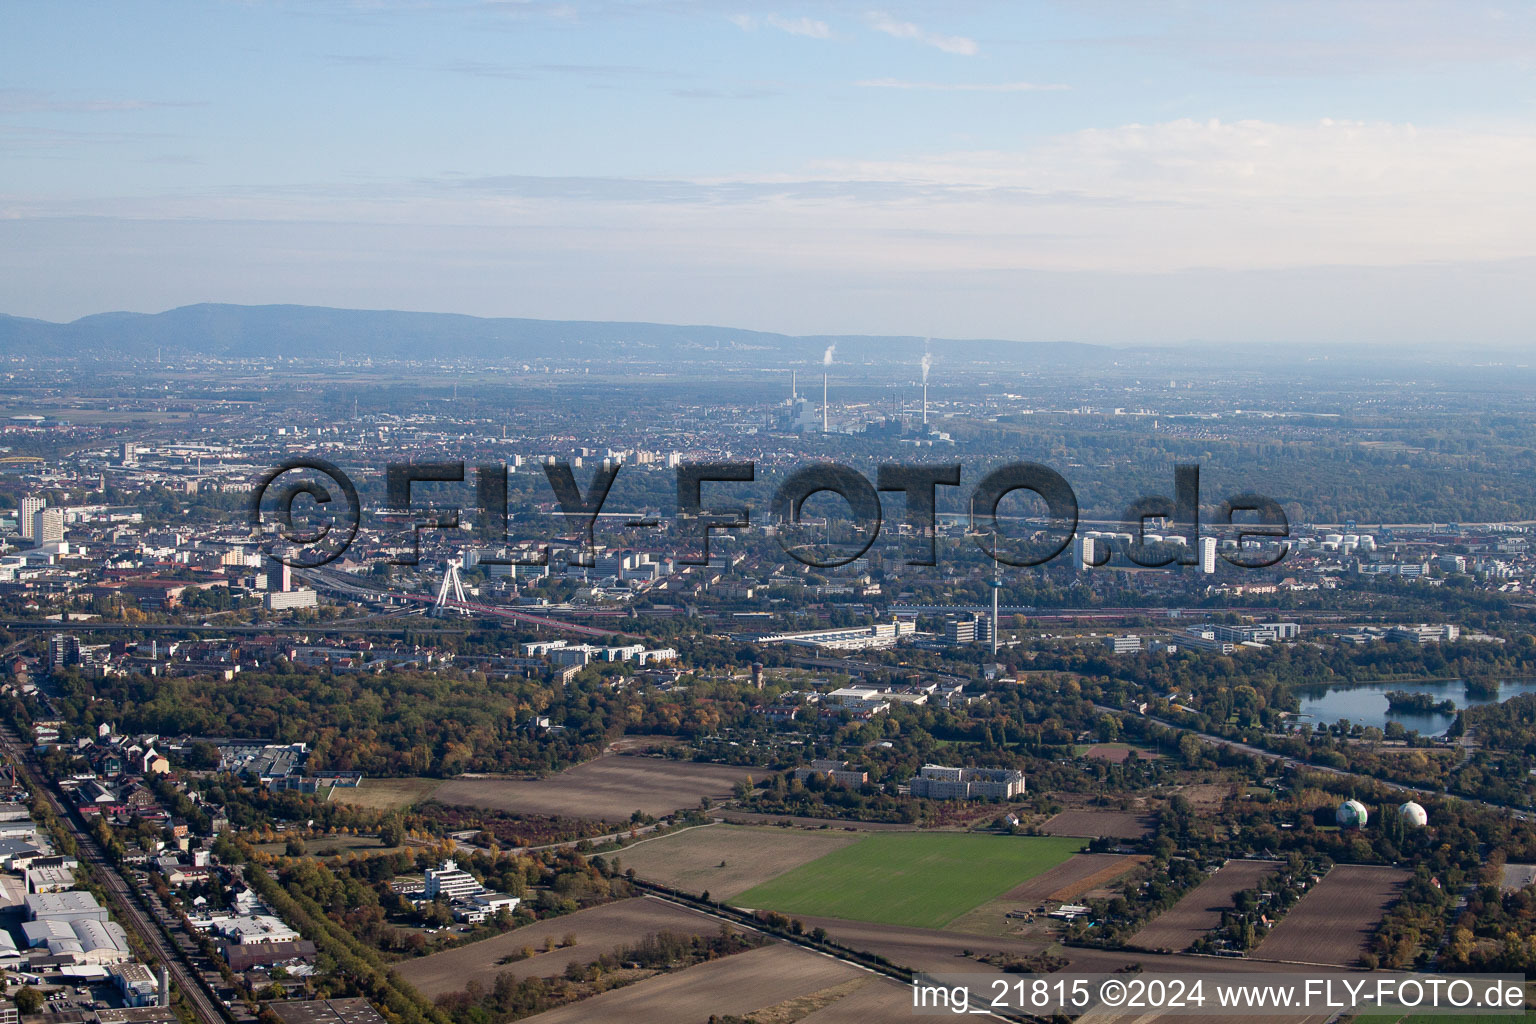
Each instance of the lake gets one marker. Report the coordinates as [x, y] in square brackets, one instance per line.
[1366, 703]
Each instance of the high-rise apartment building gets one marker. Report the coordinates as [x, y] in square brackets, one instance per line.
[30, 507]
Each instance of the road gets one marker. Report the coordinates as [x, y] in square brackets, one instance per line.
[123, 899]
[361, 588]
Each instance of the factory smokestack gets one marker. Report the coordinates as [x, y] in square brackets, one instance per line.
[826, 360]
[927, 362]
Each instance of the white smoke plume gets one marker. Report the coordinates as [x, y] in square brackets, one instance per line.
[826, 359]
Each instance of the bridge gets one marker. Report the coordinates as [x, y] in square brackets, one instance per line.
[356, 587]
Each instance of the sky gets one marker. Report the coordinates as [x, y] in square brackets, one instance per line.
[1260, 173]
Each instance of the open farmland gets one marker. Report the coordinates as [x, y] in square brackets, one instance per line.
[877, 999]
[1118, 753]
[1332, 922]
[607, 789]
[1095, 823]
[736, 985]
[597, 930]
[1071, 879]
[1429, 1018]
[1200, 910]
[386, 794]
[1068, 882]
[737, 817]
[927, 949]
[726, 860]
[921, 879]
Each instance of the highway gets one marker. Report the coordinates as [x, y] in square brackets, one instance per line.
[123, 899]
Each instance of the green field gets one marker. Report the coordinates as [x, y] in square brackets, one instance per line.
[924, 880]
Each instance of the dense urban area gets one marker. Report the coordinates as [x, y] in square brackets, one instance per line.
[507, 754]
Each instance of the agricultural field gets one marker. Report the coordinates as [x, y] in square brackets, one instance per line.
[1116, 753]
[919, 879]
[763, 979]
[927, 949]
[608, 789]
[597, 931]
[1205, 797]
[1332, 922]
[1093, 823]
[386, 794]
[736, 817]
[1200, 910]
[726, 860]
[875, 1000]
[1068, 882]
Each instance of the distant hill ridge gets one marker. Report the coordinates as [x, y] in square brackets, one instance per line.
[222, 330]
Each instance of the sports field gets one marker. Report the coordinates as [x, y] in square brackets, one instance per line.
[918, 879]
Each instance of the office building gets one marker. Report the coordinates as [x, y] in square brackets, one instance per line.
[1423, 634]
[1262, 632]
[960, 631]
[285, 600]
[450, 882]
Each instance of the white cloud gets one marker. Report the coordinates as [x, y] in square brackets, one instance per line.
[794, 26]
[896, 83]
[801, 26]
[1142, 198]
[882, 22]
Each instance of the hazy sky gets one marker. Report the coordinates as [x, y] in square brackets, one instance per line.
[1091, 171]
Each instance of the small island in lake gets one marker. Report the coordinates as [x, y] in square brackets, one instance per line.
[1482, 689]
[1419, 703]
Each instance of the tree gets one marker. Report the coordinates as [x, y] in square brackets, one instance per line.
[392, 832]
[29, 1000]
